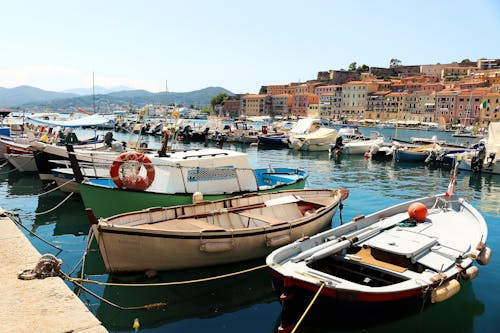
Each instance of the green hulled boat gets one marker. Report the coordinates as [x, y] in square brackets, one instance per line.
[211, 173]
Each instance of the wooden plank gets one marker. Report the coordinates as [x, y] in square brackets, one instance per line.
[365, 256]
[268, 219]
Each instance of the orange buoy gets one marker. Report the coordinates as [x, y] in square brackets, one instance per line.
[417, 211]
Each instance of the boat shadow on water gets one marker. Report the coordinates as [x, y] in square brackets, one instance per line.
[409, 316]
[185, 301]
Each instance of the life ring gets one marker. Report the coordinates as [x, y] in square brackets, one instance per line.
[134, 181]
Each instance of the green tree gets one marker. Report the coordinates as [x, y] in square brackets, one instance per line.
[395, 63]
[352, 66]
[363, 68]
[218, 101]
[465, 61]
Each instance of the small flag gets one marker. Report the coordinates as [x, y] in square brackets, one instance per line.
[451, 187]
[483, 105]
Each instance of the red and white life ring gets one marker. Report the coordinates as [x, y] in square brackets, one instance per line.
[135, 181]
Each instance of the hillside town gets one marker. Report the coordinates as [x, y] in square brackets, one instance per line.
[463, 94]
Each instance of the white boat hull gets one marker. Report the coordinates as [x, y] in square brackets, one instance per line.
[22, 162]
[219, 239]
[406, 261]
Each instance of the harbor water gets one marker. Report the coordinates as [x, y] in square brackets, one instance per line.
[247, 302]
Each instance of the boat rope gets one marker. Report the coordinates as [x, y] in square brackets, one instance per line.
[308, 308]
[46, 192]
[4, 164]
[90, 237]
[52, 209]
[102, 299]
[163, 284]
[15, 218]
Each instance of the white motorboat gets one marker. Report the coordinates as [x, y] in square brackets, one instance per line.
[420, 248]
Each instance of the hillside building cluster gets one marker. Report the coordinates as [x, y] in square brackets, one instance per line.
[459, 93]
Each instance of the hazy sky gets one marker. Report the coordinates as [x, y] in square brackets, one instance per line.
[238, 45]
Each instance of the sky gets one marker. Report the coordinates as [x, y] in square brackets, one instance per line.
[186, 45]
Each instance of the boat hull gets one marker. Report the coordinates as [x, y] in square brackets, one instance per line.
[387, 257]
[126, 248]
[22, 162]
[107, 200]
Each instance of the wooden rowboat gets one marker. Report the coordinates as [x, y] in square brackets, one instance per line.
[213, 232]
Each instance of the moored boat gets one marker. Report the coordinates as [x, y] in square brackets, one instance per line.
[172, 180]
[214, 232]
[419, 249]
[310, 135]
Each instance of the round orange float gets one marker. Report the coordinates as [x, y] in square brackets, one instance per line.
[417, 211]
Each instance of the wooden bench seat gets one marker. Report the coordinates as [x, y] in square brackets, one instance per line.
[268, 219]
[182, 225]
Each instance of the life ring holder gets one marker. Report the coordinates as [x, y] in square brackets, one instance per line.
[137, 182]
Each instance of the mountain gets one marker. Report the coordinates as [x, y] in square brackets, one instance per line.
[97, 90]
[18, 96]
[26, 96]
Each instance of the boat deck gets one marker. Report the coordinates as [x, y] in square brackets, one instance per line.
[47, 305]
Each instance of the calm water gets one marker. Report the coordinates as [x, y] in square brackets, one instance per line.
[246, 303]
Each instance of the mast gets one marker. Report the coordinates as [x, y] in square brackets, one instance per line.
[93, 92]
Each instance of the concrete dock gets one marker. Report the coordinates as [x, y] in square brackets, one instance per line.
[47, 305]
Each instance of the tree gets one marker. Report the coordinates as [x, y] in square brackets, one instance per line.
[465, 61]
[395, 63]
[218, 101]
[363, 68]
[352, 66]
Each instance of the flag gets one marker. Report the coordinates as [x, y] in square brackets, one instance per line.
[451, 187]
[483, 105]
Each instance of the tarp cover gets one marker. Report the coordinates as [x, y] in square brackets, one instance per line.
[91, 120]
[494, 138]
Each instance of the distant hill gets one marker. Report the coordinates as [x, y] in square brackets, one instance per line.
[18, 96]
[26, 96]
[97, 90]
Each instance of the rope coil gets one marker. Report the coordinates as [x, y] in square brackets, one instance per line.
[48, 266]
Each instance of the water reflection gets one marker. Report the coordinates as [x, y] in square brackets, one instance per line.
[197, 300]
[69, 219]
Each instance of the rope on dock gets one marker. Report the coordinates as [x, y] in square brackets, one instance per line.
[308, 308]
[163, 284]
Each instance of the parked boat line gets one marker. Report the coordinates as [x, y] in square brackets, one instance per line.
[375, 185]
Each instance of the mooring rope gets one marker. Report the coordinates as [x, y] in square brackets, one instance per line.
[46, 192]
[102, 299]
[4, 164]
[308, 308]
[49, 210]
[19, 223]
[162, 284]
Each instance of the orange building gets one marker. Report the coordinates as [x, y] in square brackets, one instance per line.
[489, 109]
[301, 102]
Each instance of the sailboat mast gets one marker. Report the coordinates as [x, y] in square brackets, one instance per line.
[93, 92]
